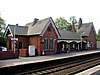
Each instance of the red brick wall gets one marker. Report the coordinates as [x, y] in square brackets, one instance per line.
[8, 42]
[23, 52]
[24, 40]
[35, 40]
[8, 54]
[92, 38]
[52, 34]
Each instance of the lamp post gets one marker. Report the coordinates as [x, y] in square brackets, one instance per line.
[14, 37]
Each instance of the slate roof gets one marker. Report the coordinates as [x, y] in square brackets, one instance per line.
[19, 30]
[69, 35]
[85, 29]
[38, 27]
[31, 28]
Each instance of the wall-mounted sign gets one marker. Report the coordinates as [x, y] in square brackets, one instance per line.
[16, 39]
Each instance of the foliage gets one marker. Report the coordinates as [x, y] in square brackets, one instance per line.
[3, 41]
[99, 32]
[98, 35]
[2, 26]
[63, 24]
[72, 20]
[98, 38]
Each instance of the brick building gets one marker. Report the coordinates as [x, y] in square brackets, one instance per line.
[42, 34]
[47, 39]
[82, 37]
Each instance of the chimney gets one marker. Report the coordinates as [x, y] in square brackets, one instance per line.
[73, 26]
[35, 21]
[17, 24]
[80, 22]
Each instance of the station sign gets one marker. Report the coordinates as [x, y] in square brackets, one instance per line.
[16, 39]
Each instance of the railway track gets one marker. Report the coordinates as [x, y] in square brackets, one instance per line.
[64, 66]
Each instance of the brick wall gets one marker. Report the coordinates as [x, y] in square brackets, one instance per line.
[24, 40]
[50, 34]
[8, 54]
[92, 38]
[35, 40]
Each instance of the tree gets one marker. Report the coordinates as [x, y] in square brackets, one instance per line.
[63, 24]
[2, 26]
[3, 41]
[99, 32]
[72, 20]
[98, 35]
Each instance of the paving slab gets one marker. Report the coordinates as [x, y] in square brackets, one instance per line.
[35, 59]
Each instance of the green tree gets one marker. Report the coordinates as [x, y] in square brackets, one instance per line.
[61, 23]
[64, 24]
[98, 35]
[2, 26]
[99, 32]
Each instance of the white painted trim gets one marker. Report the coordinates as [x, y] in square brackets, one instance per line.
[68, 41]
[8, 28]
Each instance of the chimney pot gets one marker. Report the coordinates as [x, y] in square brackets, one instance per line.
[35, 21]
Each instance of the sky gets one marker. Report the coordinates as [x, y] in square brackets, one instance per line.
[24, 11]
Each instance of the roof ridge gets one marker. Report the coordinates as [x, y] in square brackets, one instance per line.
[39, 20]
[17, 26]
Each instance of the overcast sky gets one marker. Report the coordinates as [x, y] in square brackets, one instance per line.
[24, 11]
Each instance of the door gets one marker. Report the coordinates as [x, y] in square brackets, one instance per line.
[20, 45]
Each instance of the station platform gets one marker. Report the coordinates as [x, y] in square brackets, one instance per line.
[92, 71]
[36, 59]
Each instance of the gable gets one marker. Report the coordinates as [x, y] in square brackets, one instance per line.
[8, 32]
[50, 23]
[38, 28]
[19, 30]
[92, 32]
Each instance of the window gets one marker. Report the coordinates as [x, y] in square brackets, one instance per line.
[46, 44]
[49, 29]
[92, 45]
[51, 44]
[9, 43]
[73, 45]
[88, 44]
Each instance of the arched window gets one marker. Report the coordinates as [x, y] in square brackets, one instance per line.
[51, 44]
[46, 44]
[49, 29]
